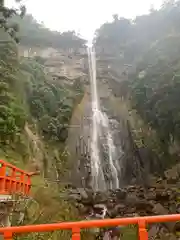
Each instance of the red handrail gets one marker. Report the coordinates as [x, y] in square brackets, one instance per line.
[13, 180]
[76, 226]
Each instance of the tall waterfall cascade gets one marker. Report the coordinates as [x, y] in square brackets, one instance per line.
[105, 161]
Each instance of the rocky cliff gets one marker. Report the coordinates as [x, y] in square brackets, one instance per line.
[130, 157]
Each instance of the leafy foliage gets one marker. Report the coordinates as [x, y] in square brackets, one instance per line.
[12, 115]
[27, 95]
[132, 38]
[6, 14]
[50, 103]
[155, 96]
[150, 43]
[34, 34]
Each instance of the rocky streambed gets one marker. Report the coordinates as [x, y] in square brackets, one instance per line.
[159, 198]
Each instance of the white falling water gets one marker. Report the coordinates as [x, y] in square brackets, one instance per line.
[100, 134]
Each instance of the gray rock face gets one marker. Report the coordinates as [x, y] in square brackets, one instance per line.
[125, 156]
[133, 201]
[129, 161]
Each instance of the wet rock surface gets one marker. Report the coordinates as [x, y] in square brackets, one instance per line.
[156, 199]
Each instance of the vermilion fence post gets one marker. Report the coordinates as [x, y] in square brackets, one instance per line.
[28, 184]
[143, 234]
[76, 235]
[8, 235]
[2, 177]
[22, 178]
[13, 181]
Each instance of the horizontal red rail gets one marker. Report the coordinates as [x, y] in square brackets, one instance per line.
[13, 180]
[12, 166]
[76, 226]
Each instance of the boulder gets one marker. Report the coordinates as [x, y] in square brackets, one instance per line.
[160, 210]
[100, 197]
[132, 200]
[121, 194]
[83, 193]
[162, 195]
[144, 205]
[150, 195]
[153, 231]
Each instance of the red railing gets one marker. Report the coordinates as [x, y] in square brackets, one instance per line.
[13, 180]
[77, 226]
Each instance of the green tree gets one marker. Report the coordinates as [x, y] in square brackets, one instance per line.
[50, 103]
[150, 44]
[35, 34]
[7, 13]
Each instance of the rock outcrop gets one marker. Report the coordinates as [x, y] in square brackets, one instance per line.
[159, 198]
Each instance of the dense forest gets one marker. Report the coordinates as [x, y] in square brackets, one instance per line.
[42, 97]
[150, 44]
[35, 111]
[32, 33]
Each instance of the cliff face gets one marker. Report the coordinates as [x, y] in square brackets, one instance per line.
[137, 145]
[149, 148]
[128, 161]
[46, 52]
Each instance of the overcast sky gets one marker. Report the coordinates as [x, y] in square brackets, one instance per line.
[84, 16]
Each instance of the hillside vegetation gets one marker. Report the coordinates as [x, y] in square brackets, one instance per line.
[35, 111]
[31, 33]
[150, 44]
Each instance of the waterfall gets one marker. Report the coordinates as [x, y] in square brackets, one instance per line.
[104, 167]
